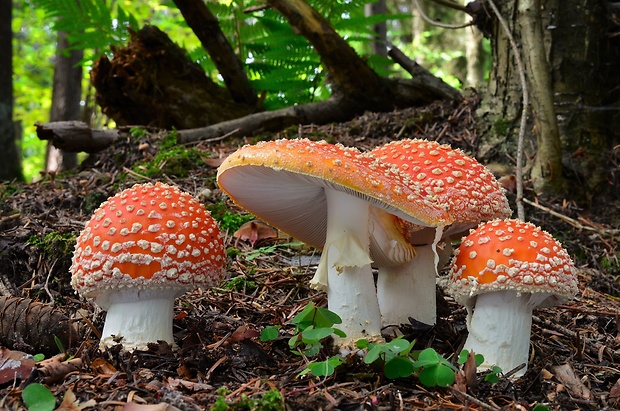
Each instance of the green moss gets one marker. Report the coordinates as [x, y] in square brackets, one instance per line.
[54, 244]
[240, 284]
[501, 127]
[174, 161]
[270, 401]
[93, 200]
[611, 264]
[229, 221]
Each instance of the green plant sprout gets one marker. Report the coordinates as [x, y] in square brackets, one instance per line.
[434, 370]
[270, 401]
[312, 325]
[393, 355]
[270, 333]
[37, 397]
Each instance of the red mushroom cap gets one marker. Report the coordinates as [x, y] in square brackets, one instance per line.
[469, 189]
[282, 182]
[148, 236]
[511, 255]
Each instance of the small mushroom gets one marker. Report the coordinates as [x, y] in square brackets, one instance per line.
[321, 194]
[141, 249]
[502, 271]
[469, 192]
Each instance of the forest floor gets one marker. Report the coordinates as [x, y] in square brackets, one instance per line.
[220, 361]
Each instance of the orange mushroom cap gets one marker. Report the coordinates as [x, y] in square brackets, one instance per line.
[282, 183]
[511, 255]
[469, 189]
[148, 236]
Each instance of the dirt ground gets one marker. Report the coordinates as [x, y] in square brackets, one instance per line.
[575, 347]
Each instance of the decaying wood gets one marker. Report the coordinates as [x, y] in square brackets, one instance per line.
[32, 326]
[153, 82]
[56, 368]
[75, 136]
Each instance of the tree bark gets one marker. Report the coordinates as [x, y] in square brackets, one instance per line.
[584, 78]
[546, 171]
[207, 28]
[10, 165]
[350, 76]
[66, 96]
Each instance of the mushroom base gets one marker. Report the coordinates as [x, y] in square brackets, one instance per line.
[500, 328]
[134, 324]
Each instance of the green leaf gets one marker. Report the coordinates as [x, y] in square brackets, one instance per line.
[373, 354]
[363, 343]
[398, 367]
[398, 345]
[38, 397]
[324, 368]
[38, 357]
[270, 333]
[312, 334]
[463, 357]
[437, 375]
[329, 316]
[339, 332]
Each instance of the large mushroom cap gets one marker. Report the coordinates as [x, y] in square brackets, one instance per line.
[468, 189]
[148, 236]
[282, 182]
[511, 255]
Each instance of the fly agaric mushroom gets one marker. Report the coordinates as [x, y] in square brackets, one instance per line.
[142, 248]
[502, 271]
[321, 194]
[471, 195]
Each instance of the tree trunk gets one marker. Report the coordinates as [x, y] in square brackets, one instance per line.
[379, 43]
[582, 63]
[10, 166]
[66, 96]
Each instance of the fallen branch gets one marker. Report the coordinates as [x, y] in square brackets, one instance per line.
[75, 136]
[603, 232]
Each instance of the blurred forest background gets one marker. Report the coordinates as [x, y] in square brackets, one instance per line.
[287, 77]
[547, 75]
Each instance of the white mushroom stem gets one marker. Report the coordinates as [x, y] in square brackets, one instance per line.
[408, 290]
[345, 272]
[138, 317]
[499, 328]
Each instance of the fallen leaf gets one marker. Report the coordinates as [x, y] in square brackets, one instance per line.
[15, 364]
[566, 375]
[615, 390]
[175, 383]
[470, 368]
[254, 231]
[71, 403]
[101, 366]
[243, 332]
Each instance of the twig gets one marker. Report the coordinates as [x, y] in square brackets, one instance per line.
[436, 23]
[526, 103]
[611, 233]
[473, 399]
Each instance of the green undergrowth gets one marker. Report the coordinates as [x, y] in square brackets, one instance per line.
[270, 401]
[55, 244]
[314, 326]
